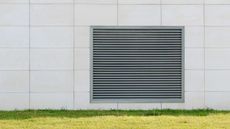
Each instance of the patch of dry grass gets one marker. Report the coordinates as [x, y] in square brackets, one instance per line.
[113, 119]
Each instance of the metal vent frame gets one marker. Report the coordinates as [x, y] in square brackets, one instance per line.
[181, 100]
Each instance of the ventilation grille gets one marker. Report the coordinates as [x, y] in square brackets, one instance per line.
[137, 64]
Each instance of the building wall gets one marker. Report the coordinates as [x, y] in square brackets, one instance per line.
[44, 50]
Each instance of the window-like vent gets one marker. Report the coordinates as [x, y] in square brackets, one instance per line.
[137, 64]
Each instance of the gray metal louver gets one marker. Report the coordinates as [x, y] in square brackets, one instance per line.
[137, 64]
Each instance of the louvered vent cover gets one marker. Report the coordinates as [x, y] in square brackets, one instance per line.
[137, 64]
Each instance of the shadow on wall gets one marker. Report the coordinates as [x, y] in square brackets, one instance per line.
[20, 115]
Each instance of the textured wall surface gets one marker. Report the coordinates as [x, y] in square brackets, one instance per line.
[44, 50]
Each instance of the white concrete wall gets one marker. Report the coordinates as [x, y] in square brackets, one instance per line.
[44, 50]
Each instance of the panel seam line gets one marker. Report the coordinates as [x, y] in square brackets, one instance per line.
[204, 53]
[29, 57]
[73, 54]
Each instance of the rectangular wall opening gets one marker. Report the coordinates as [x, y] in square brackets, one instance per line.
[137, 64]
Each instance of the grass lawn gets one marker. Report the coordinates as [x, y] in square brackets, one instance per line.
[115, 119]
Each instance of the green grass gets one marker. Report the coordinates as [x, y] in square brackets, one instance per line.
[115, 119]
